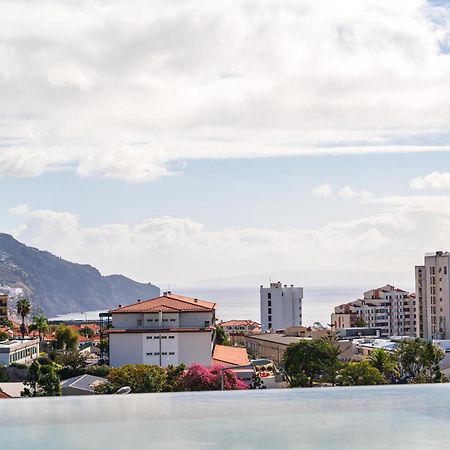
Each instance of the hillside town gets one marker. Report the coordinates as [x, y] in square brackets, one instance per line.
[177, 343]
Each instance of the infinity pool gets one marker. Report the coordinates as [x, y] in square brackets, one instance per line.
[391, 417]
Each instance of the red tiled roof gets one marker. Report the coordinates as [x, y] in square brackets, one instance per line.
[234, 323]
[4, 394]
[167, 303]
[235, 356]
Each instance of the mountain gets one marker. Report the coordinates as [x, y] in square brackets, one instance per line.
[56, 286]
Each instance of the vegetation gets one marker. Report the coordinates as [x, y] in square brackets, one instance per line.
[385, 362]
[72, 359]
[23, 307]
[307, 362]
[140, 378]
[360, 373]
[200, 378]
[86, 331]
[98, 371]
[6, 323]
[39, 324]
[66, 338]
[360, 322]
[419, 360]
[41, 381]
[4, 336]
[221, 337]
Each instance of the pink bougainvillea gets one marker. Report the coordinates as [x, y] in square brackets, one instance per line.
[201, 378]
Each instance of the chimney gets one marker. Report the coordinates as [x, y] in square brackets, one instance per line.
[139, 300]
[120, 306]
[195, 300]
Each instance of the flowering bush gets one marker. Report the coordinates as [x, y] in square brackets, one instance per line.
[201, 378]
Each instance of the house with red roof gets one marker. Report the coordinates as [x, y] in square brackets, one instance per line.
[171, 329]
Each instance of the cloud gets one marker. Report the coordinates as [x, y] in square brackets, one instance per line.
[434, 180]
[323, 191]
[106, 90]
[347, 193]
[183, 250]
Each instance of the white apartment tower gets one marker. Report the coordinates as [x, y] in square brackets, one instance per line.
[432, 290]
[281, 306]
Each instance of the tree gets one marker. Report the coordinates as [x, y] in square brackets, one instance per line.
[72, 359]
[86, 331]
[306, 362]
[385, 362]
[39, 324]
[359, 374]
[23, 307]
[221, 337]
[419, 360]
[140, 378]
[360, 322]
[174, 377]
[201, 378]
[6, 323]
[4, 336]
[41, 381]
[65, 338]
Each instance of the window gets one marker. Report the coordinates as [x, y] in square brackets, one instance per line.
[269, 311]
[171, 353]
[171, 337]
[164, 320]
[163, 337]
[149, 337]
[270, 325]
[269, 303]
[164, 353]
[149, 354]
[445, 270]
[173, 320]
[139, 322]
[269, 295]
[270, 318]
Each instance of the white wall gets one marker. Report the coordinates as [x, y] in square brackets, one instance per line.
[125, 348]
[195, 348]
[286, 306]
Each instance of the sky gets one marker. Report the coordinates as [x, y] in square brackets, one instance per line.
[182, 141]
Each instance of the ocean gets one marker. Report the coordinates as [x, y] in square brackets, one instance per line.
[243, 303]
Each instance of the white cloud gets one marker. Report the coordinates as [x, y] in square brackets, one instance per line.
[347, 193]
[323, 191]
[184, 250]
[112, 91]
[434, 180]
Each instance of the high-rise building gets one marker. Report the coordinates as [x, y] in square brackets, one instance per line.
[281, 306]
[3, 306]
[392, 310]
[432, 289]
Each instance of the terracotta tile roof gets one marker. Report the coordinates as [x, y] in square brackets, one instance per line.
[4, 394]
[167, 303]
[239, 323]
[235, 356]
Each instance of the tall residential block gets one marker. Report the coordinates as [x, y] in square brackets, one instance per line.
[3, 306]
[392, 310]
[281, 306]
[432, 289]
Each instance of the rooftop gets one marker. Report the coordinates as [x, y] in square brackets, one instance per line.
[167, 303]
[409, 417]
[224, 354]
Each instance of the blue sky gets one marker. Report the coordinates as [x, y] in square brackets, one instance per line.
[192, 140]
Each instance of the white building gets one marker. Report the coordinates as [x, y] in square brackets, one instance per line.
[281, 306]
[20, 351]
[392, 310]
[171, 329]
[432, 290]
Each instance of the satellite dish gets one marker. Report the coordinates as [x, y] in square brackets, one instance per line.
[124, 390]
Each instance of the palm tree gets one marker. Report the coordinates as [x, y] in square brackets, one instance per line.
[23, 309]
[39, 324]
[6, 323]
[384, 362]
